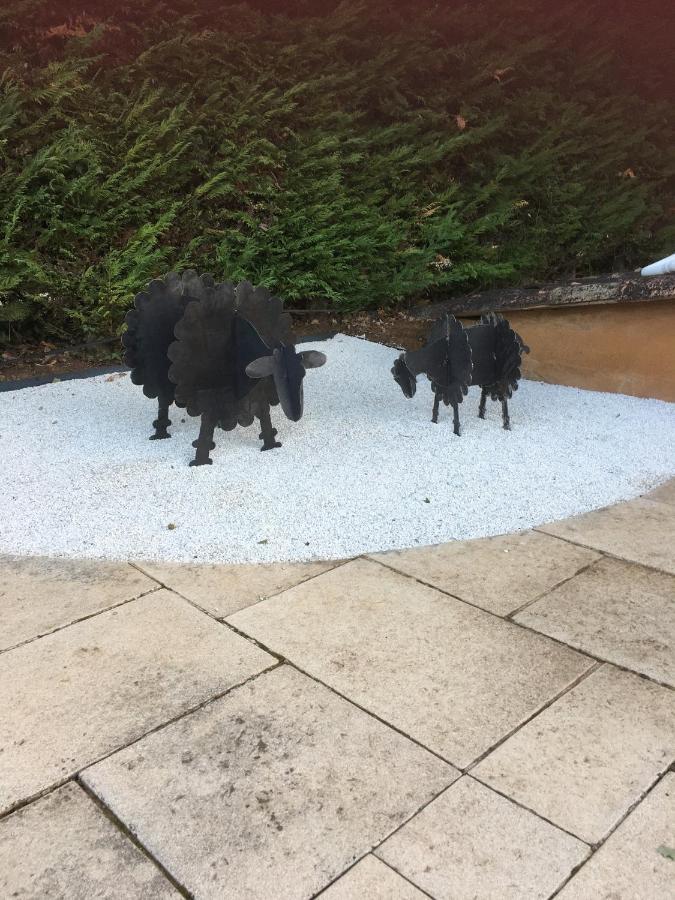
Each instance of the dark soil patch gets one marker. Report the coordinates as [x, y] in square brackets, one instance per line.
[47, 361]
[395, 329]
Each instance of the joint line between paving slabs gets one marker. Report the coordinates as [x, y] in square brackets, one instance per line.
[435, 587]
[373, 850]
[574, 871]
[528, 809]
[482, 609]
[188, 712]
[554, 587]
[222, 622]
[338, 564]
[182, 715]
[280, 658]
[596, 847]
[38, 795]
[368, 853]
[593, 667]
[221, 619]
[405, 877]
[192, 603]
[601, 660]
[91, 615]
[166, 587]
[606, 553]
[554, 699]
[370, 713]
[129, 835]
[464, 770]
[489, 612]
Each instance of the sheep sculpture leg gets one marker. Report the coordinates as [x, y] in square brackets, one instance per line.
[267, 433]
[434, 414]
[455, 412]
[455, 419]
[505, 415]
[204, 443]
[481, 405]
[162, 422]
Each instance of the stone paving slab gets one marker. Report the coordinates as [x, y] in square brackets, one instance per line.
[471, 842]
[86, 690]
[665, 493]
[222, 590]
[618, 611]
[371, 879]
[284, 785]
[641, 531]
[631, 864]
[63, 846]
[499, 574]
[456, 679]
[271, 791]
[583, 762]
[40, 594]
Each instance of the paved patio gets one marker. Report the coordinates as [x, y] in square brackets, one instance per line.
[490, 719]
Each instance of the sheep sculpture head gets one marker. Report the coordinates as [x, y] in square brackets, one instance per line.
[287, 368]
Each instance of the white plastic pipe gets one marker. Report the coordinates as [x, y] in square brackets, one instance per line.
[662, 267]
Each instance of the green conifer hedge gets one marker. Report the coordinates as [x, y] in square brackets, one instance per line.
[359, 159]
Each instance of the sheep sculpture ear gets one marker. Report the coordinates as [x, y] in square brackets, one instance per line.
[261, 367]
[312, 359]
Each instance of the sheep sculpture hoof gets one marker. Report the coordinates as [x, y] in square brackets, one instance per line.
[267, 436]
[161, 424]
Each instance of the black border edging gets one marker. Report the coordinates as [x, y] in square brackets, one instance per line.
[19, 384]
[6, 386]
[310, 338]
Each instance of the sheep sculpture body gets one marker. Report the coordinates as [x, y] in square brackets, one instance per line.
[223, 352]
[454, 358]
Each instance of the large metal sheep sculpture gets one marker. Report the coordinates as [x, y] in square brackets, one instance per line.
[223, 352]
[488, 354]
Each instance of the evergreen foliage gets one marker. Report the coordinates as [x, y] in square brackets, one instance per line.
[359, 159]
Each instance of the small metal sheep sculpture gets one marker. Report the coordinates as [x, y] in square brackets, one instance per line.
[223, 352]
[488, 354]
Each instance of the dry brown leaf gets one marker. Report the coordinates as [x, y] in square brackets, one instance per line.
[429, 210]
[76, 30]
[461, 122]
[499, 73]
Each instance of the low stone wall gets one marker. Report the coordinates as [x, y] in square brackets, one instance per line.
[628, 349]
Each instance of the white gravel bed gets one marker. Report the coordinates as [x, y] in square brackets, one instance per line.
[364, 470]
